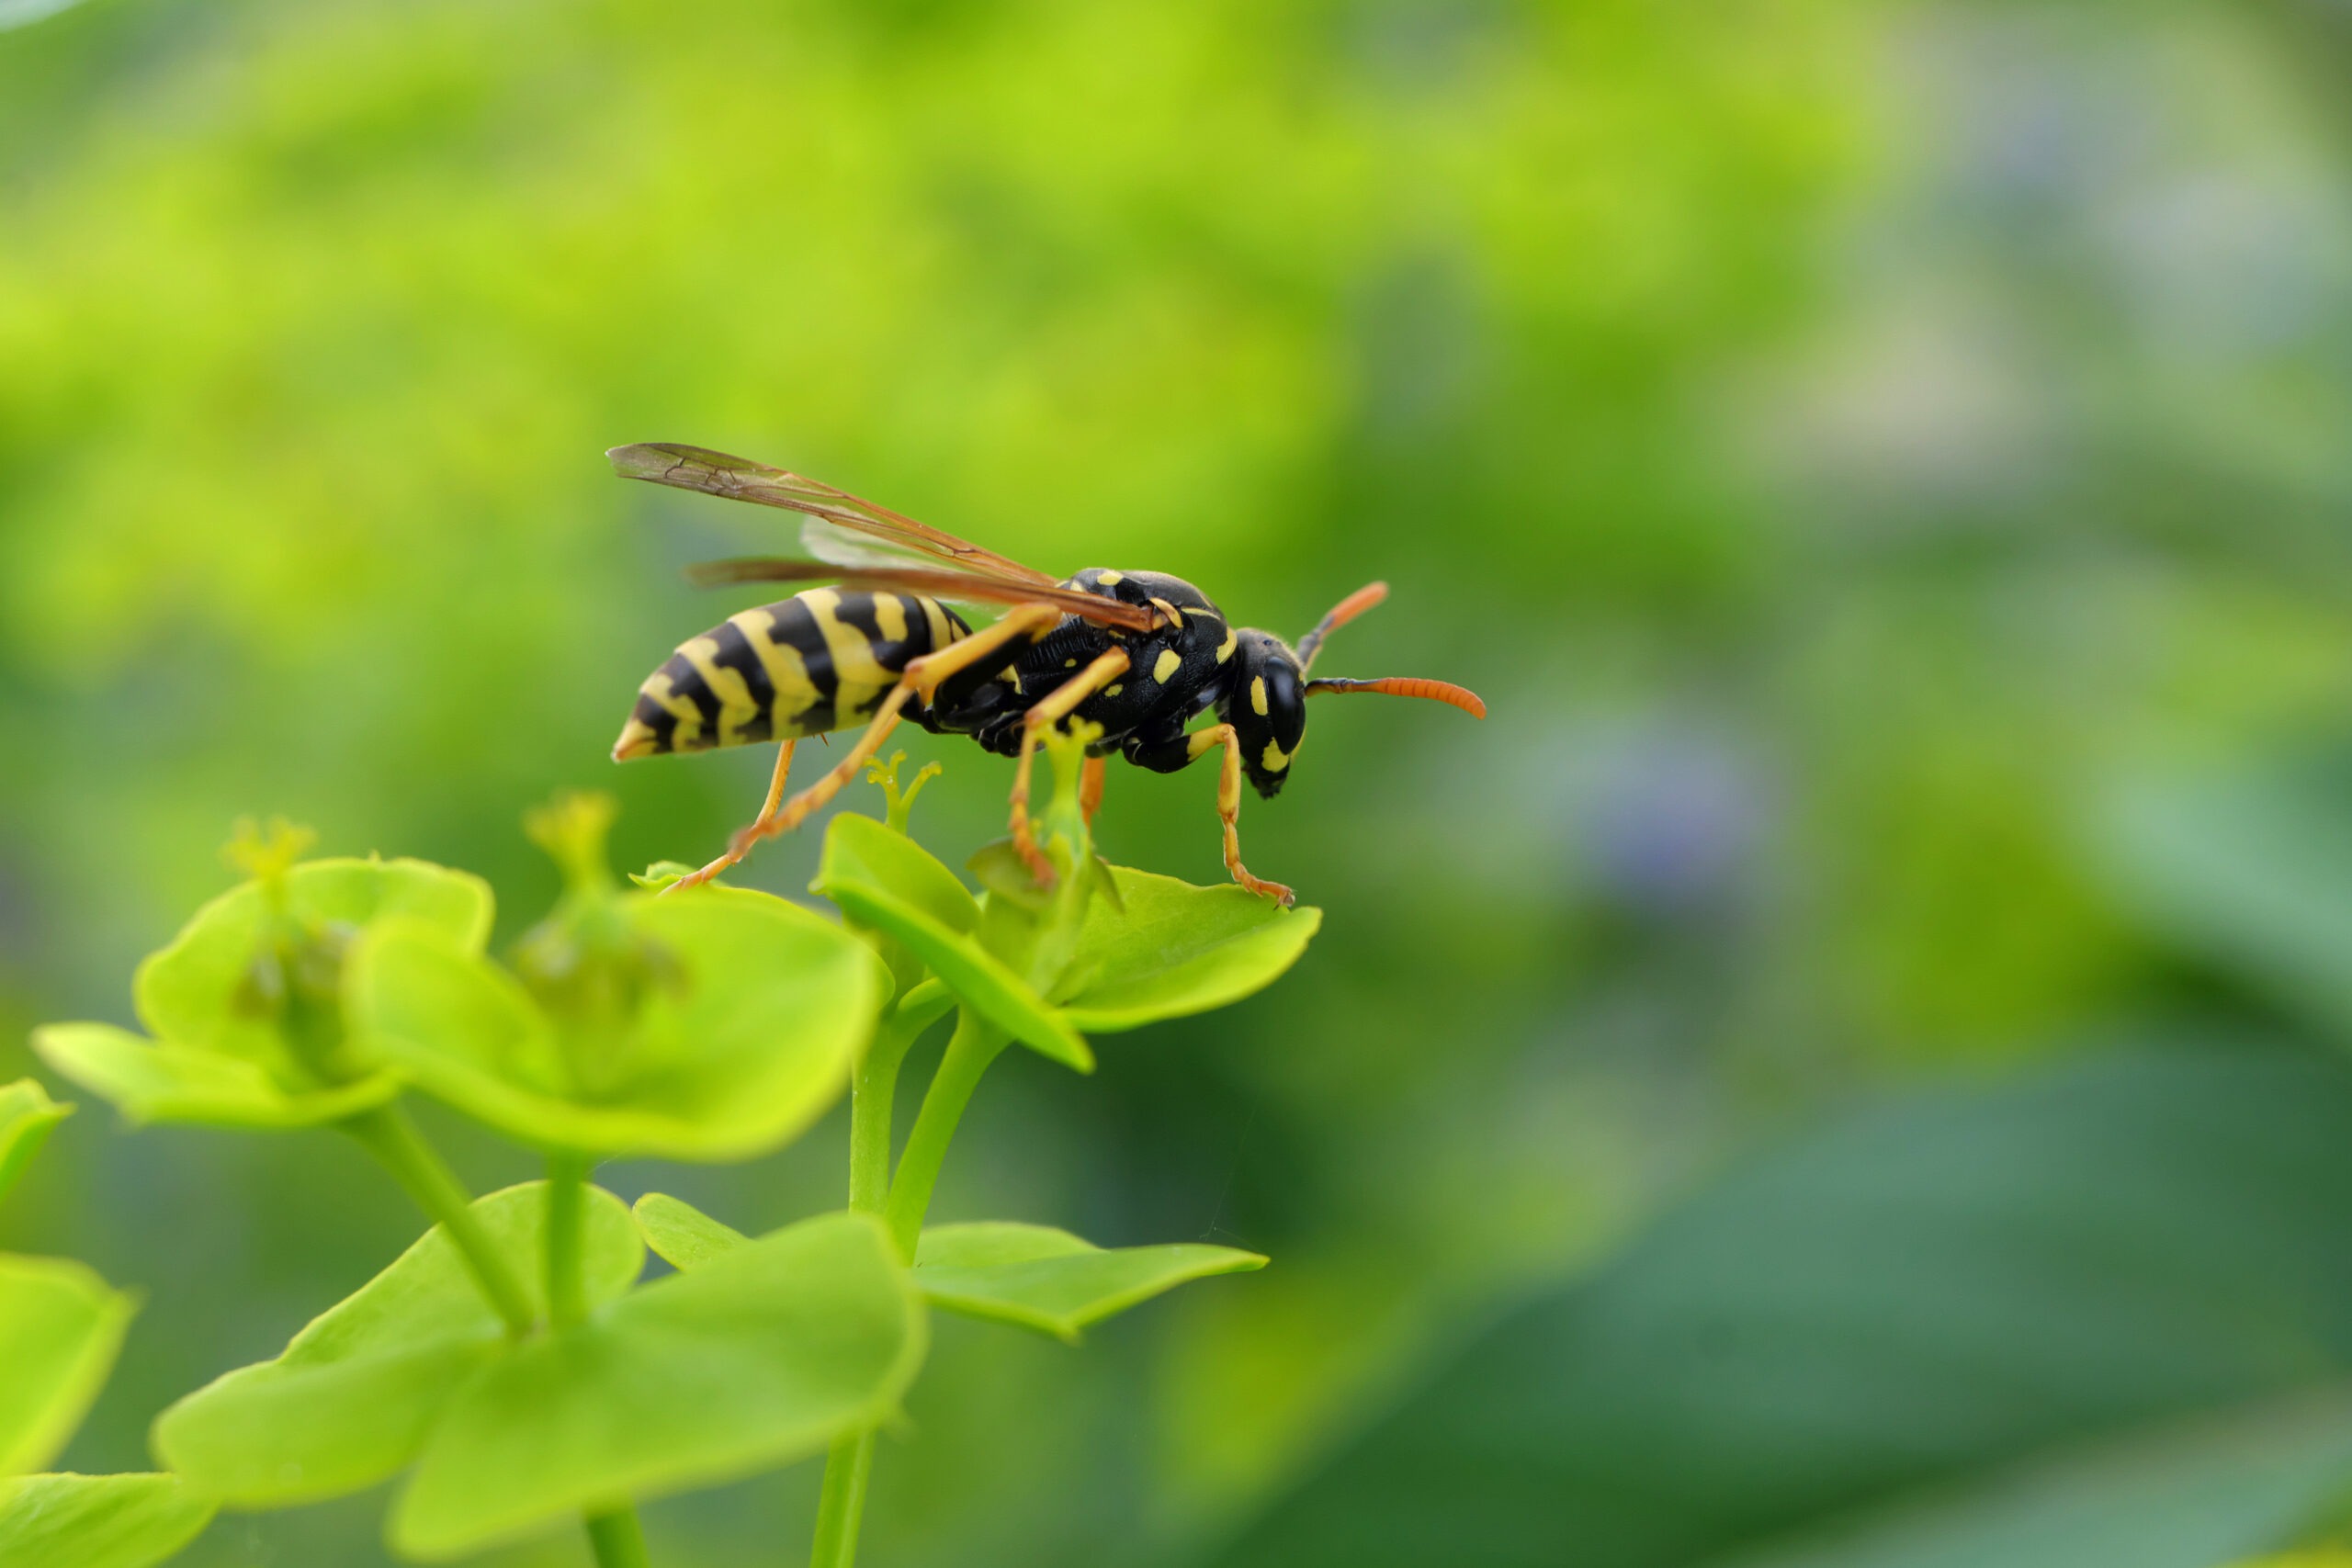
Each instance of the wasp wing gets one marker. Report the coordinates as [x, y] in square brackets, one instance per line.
[740, 478]
[939, 582]
[829, 541]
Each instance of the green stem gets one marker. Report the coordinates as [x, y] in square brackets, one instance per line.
[617, 1538]
[975, 1045]
[567, 1208]
[849, 1463]
[389, 1135]
[874, 1087]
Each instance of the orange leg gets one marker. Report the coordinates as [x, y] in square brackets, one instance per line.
[1050, 710]
[1228, 809]
[1089, 788]
[767, 813]
[924, 676]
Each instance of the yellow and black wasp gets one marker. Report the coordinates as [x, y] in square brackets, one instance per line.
[1141, 654]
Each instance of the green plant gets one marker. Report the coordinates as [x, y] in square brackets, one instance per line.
[511, 1362]
[59, 1328]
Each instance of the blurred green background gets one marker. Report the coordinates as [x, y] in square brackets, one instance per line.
[1841, 1068]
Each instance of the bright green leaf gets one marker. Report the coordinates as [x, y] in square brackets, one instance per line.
[221, 1056]
[1168, 949]
[758, 1357]
[1050, 1281]
[680, 1234]
[150, 1082]
[188, 994]
[749, 1041]
[97, 1521]
[884, 887]
[860, 849]
[355, 1392]
[27, 1114]
[59, 1328]
[1034, 1276]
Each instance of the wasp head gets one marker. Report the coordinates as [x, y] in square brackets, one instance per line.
[1265, 702]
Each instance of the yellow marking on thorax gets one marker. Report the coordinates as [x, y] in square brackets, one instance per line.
[891, 616]
[1275, 759]
[1112, 691]
[788, 672]
[859, 678]
[657, 686]
[1225, 649]
[1169, 662]
[1109, 578]
[736, 707]
[1175, 616]
[1258, 695]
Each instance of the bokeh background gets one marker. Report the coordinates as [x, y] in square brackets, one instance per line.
[1843, 1067]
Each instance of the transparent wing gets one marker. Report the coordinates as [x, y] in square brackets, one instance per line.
[891, 537]
[828, 541]
[939, 582]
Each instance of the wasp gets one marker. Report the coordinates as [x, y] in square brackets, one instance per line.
[1138, 655]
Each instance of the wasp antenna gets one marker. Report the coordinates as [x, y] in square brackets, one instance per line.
[1346, 610]
[1446, 692]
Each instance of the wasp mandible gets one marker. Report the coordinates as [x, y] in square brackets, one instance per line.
[1141, 654]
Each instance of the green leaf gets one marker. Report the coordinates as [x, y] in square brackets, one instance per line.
[886, 880]
[2251, 867]
[681, 1234]
[1166, 949]
[27, 1114]
[1050, 1281]
[219, 1057]
[2186, 1494]
[660, 873]
[97, 1521]
[751, 1039]
[355, 1393]
[1034, 1276]
[860, 851]
[59, 1328]
[758, 1357]
[2003, 1329]
[148, 1082]
[188, 994]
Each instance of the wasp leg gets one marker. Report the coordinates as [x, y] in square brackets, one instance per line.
[767, 811]
[1089, 788]
[1228, 807]
[922, 678]
[1052, 709]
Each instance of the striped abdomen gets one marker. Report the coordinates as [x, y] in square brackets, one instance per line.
[816, 662]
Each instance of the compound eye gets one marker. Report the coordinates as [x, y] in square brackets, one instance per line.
[1286, 702]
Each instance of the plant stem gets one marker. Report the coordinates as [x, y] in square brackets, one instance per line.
[389, 1135]
[567, 1207]
[975, 1045]
[617, 1538]
[874, 1088]
[841, 1505]
[849, 1463]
